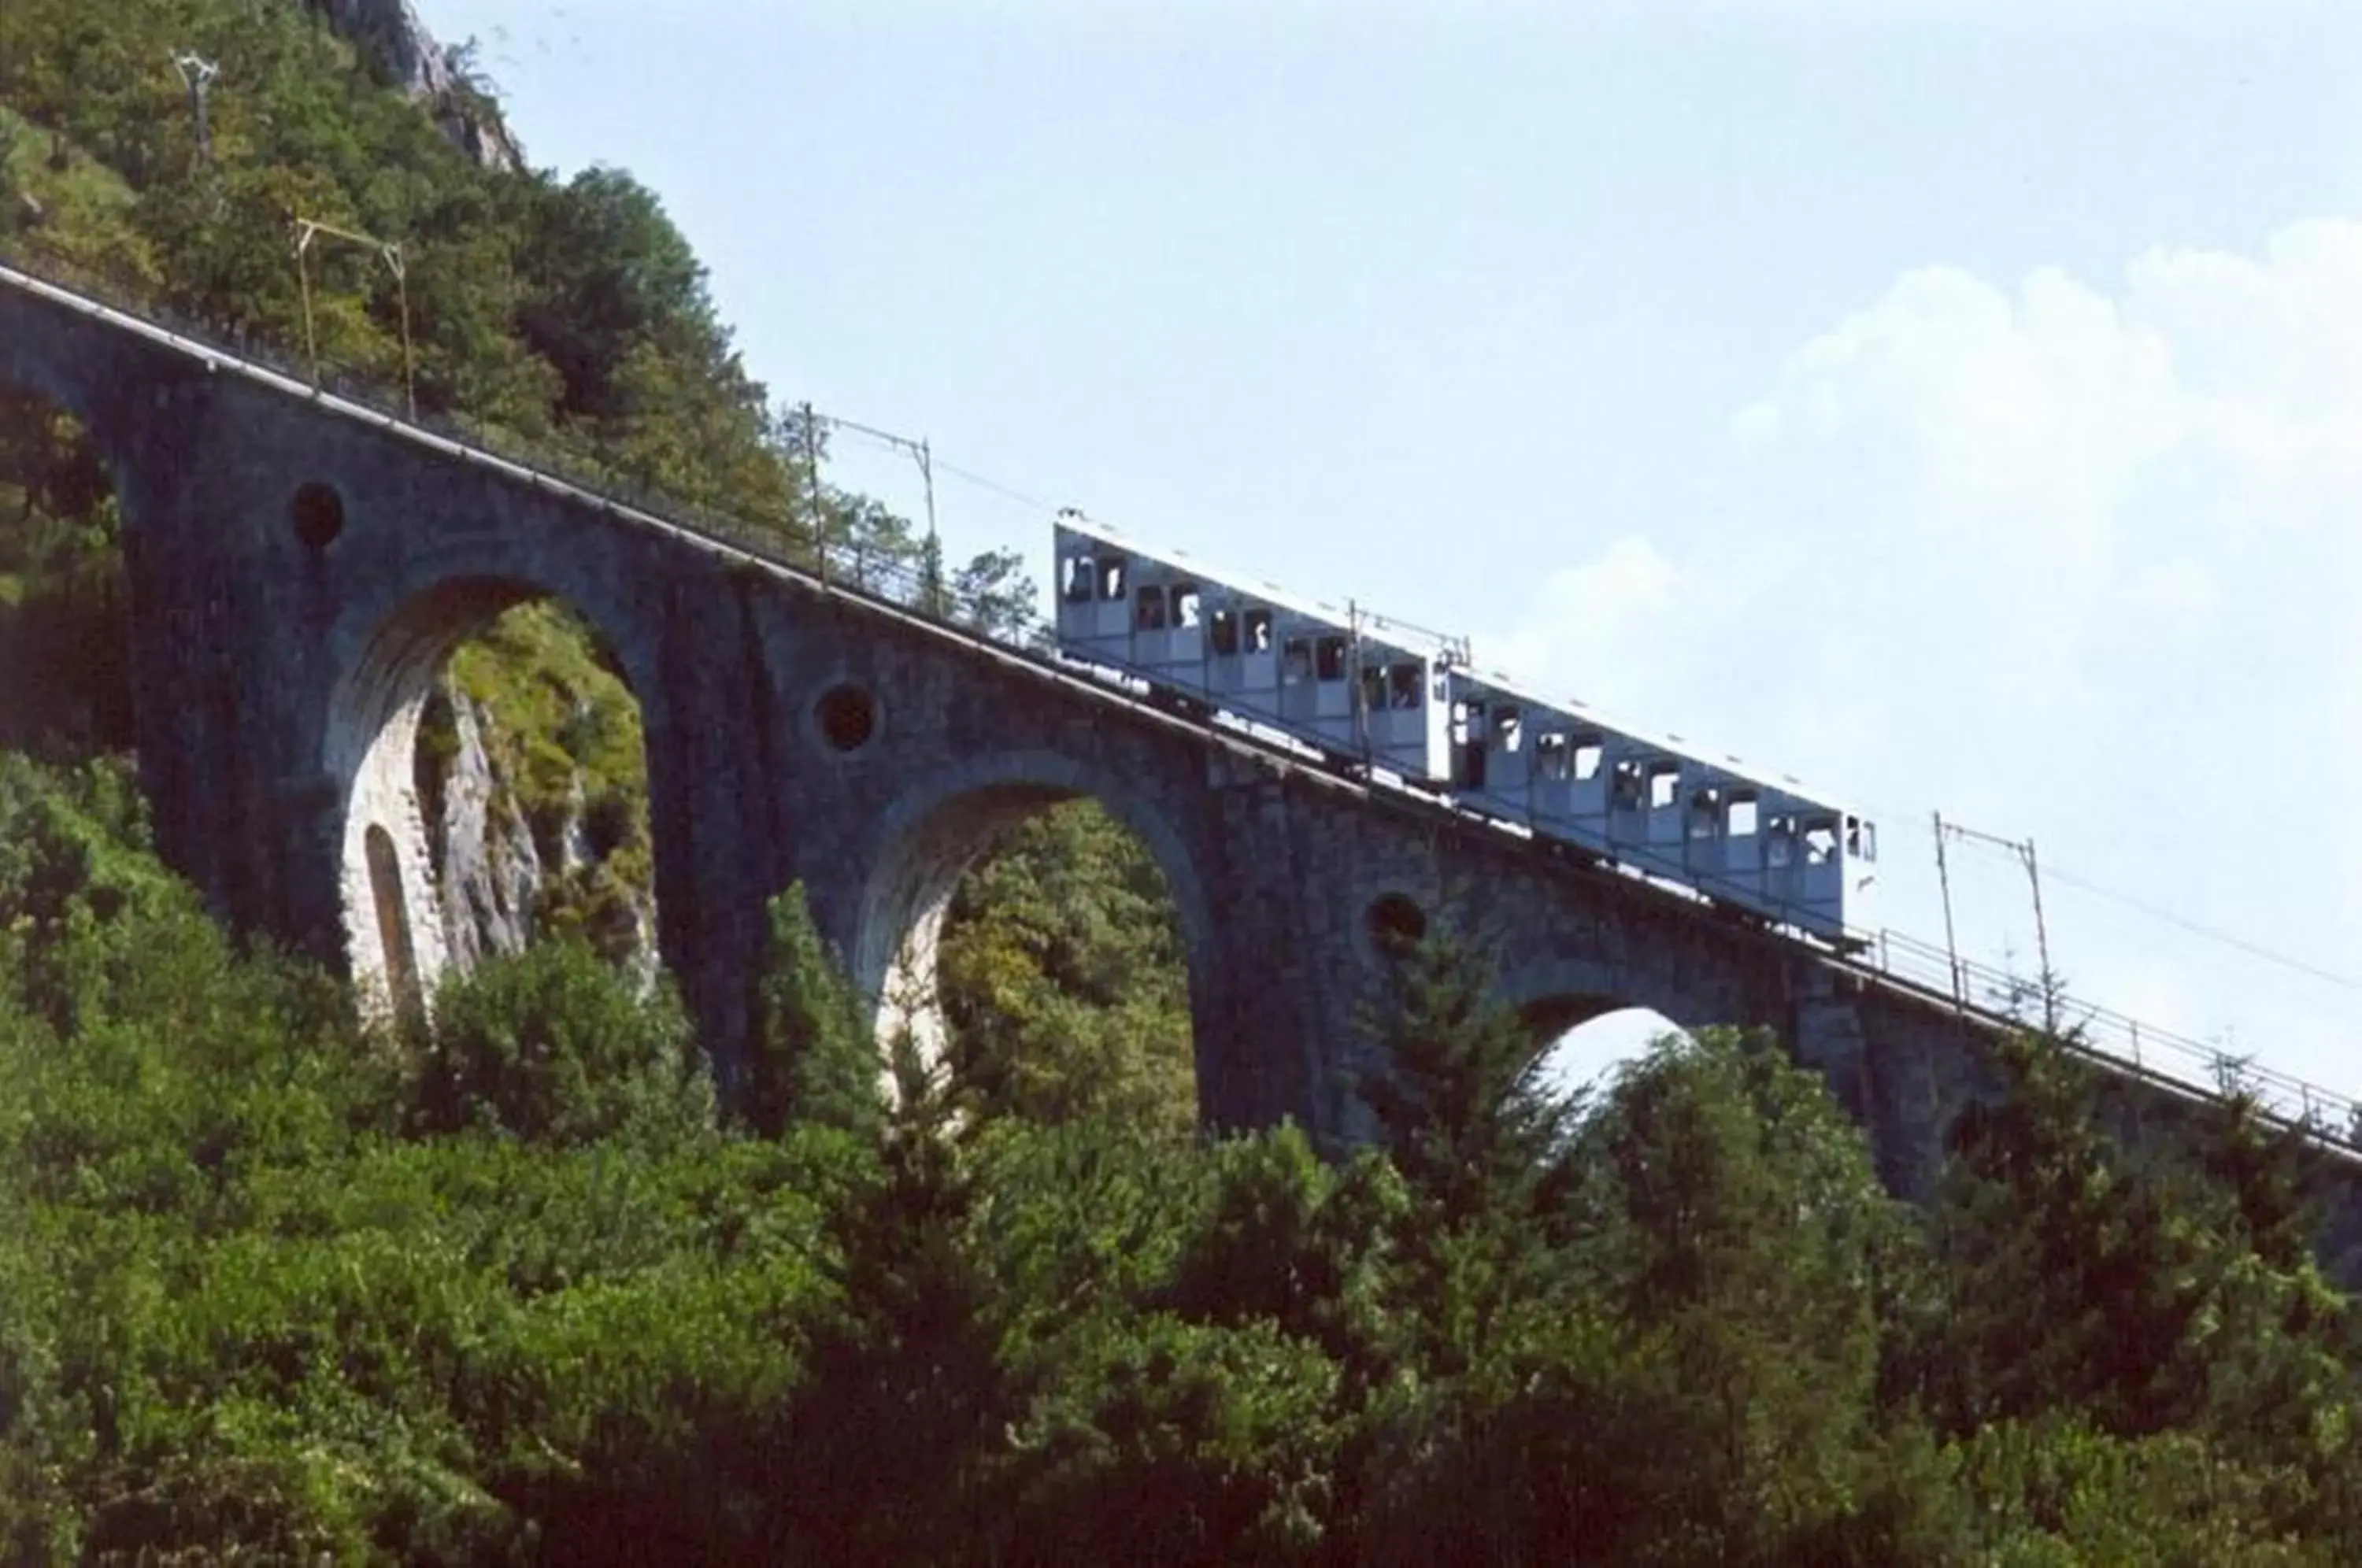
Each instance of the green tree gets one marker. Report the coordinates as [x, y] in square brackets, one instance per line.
[812, 1056]
[1062, 979]
[555, 1044]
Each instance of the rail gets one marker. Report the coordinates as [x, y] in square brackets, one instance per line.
[1996, 996]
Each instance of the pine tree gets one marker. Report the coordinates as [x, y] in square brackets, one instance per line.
[1461, 1098]
[812, 1057]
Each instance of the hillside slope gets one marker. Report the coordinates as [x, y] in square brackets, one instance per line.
[569, 317]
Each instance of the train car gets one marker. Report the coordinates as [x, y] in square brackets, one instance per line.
[1375, 694]
[1606, 789]
[1366, 691]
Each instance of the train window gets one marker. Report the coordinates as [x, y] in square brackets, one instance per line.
[1150, 615]
[1705, 814]
[1258, 630]
[1861, 839]
[1467, 721]
[1511, 725]
[1549, 755]
[1780, 843]
[1374, 687]
[1185, 608]
[1664, 785]
[1081, 578]
[1589, 753]
[1329, 664]
[1820, 841]
[1738, 818]
[1626, 787]
[1296, 661]
[1223, 635]
[1113, 570]
[1402, 686]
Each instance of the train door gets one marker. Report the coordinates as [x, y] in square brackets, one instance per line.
[1332, 690]
[1471, 746]
[1395, 712]
[1667, 812]
[1241, 665]
[1804, 869]
[1299, 698]
[1735, 864]
[1167, 638]
[1628, 800]
[1860, 874]
[1509, 767]
[1108, 616]
[1078, 596]
[1184, 614]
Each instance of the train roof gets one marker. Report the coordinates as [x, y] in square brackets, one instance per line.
[1433, 643]
[1574, 708]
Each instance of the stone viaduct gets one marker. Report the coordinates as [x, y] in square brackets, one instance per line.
[300, 568]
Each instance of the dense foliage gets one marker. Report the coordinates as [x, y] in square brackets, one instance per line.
[508, 1285]
[505, 1287]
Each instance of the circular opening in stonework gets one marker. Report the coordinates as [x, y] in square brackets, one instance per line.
[319, 514]
[847, 717]
[1396, 922]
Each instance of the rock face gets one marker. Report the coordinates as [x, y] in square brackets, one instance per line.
[490, 869]
[497, 874]
[391, 34]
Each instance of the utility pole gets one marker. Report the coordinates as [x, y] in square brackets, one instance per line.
[2042, 944]
[2025, 853]
[931, 587]
[197, 76]
[1951, 942]
[819, 513]
[308, 229]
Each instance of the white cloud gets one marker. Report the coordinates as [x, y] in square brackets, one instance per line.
[1583, 618]
[2070, 561]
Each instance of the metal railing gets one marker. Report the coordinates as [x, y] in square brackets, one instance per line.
[1999, 996]
[1996, 996]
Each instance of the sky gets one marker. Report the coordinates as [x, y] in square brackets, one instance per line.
[1956, 405]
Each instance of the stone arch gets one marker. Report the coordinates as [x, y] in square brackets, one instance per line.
[1565, 993]
[386, 663]
[939, 826]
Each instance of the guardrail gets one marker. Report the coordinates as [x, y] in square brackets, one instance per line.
[1997, 997]
[2000, 996]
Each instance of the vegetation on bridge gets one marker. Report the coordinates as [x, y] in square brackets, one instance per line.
[511, 1289]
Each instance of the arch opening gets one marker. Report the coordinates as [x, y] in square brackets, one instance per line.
[393, 922]
[1030, 958]
[495, 771]
[1583, 1040]
[65, 664]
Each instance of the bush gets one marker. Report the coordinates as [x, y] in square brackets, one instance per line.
[553, 1046]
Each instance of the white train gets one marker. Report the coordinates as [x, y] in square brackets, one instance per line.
[1401, 706]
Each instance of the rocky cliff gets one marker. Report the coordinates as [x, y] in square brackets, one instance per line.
[525, 841]
[396, 39]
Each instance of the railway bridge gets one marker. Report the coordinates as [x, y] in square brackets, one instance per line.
[301, 565]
